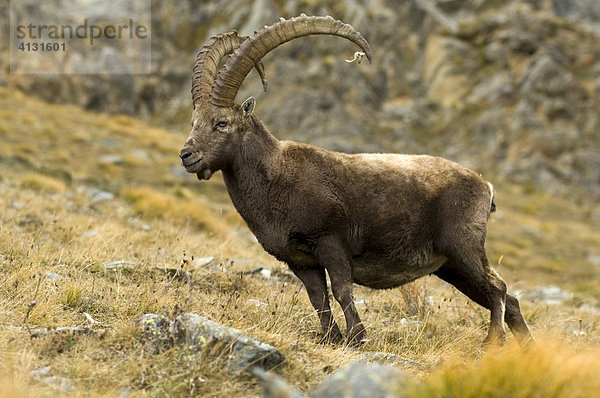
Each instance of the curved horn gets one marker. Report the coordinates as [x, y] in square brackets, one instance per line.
[251, 51]
[208, 59]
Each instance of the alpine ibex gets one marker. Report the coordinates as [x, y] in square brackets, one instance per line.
[379, 220]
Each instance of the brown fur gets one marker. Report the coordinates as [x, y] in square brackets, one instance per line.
[379, 220]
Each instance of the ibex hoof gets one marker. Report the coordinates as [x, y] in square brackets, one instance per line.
[332, 337]
[494, 340]
[357, 336]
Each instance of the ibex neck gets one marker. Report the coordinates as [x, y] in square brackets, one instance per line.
[253, 168]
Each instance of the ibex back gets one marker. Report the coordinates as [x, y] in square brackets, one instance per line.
[379, 220]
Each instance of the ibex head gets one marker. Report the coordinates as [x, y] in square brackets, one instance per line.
[217, 123]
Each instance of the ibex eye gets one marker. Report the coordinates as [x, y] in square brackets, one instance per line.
[221, 123]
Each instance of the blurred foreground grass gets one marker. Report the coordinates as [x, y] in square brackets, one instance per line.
[82, 190]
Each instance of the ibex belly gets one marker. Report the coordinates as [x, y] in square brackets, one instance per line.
[387, 274]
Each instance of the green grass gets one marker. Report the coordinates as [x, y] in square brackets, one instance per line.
[49, 223]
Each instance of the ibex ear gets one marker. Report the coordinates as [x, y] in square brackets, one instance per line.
[248, 106]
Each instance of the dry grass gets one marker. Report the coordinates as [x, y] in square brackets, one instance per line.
[41, 183]
[150, 203]
[547, 370]
[49, 222]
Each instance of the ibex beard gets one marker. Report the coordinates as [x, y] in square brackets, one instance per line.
[378, 220]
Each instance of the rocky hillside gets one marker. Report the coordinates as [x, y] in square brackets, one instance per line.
[510, 88]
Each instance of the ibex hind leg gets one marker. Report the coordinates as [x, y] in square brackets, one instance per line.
[478, 281]
[516, 323]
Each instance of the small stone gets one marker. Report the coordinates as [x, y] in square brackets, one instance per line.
[274, 386]
[265, 273]
[202, 261]
[53, 276]
[56, 382]
[62, 330]
[99, 195]
[429, 301]
[391, 359]
[406, 322]
[38, 332]
[119, 265]
[141, 155]
[16, 205]
[551, 295]
[90, 233]
[596, 214]
[257, 303]
[110, 143]
[111, 159]
[593, 258]
[124, 392]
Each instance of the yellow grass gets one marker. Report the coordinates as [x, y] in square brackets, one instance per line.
[38, 182]
[549, 369]
[153, 204]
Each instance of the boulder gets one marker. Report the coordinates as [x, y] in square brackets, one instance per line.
[356, 380]
[360, 380]
[198, 335]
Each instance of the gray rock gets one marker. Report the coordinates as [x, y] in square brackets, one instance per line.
[111, 159]
[53, 276]
[552, 295]
[155, 332]
[57, 382]
[124, 392]
[202, 261]
[593, 258]
[90, 233]
[62, 330]
[99, 195]
[359, 380]
[119, 265]
[274, 386]
[142, 155]
[198, 334]
[391, 359]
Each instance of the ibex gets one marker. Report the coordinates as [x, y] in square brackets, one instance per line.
[378, 220]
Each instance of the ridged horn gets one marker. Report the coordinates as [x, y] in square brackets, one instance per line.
[251, 51]
[207, 63]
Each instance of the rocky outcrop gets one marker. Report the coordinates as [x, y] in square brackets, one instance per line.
[509, 88]
[196, 335]
[354, 380]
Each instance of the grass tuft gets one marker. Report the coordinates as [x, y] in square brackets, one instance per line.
[150, 203]
[548, 369]
[42, 183]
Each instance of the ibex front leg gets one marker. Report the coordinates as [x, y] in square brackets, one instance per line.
[316, 287]
[332, 255]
